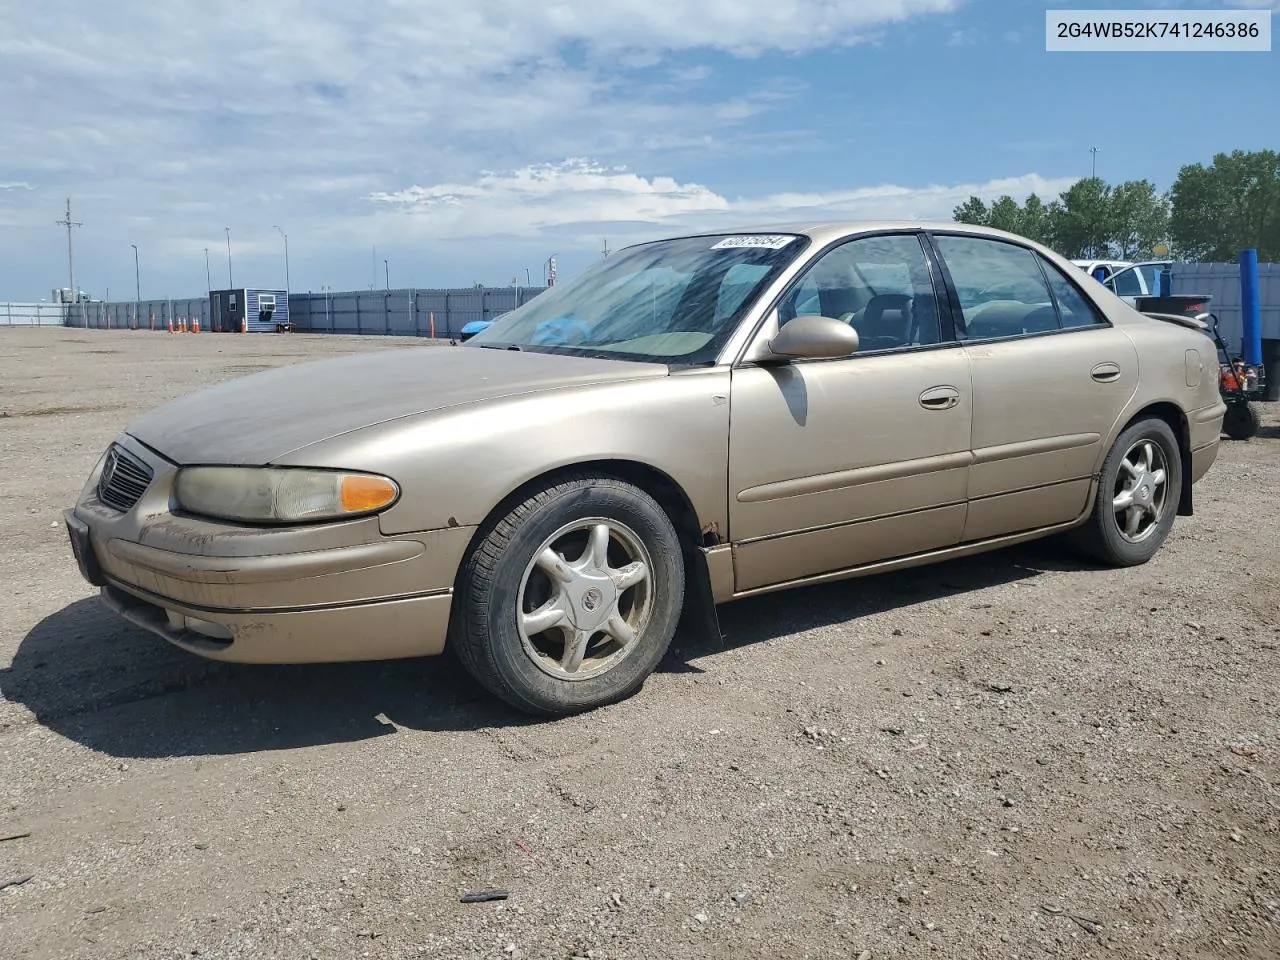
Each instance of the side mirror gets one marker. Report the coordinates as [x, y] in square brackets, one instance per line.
[813, 337]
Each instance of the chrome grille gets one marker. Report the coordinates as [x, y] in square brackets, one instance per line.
[124, 479]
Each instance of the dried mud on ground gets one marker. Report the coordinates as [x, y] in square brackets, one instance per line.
[1010, 756]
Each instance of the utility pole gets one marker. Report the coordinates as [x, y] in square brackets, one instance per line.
[208, 277]
[1094, 151]
[387, 267]
[230, 283]
[137, 285]
[71, 267]
[287, 287]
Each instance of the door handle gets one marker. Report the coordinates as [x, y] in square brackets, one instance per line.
[940, 398]
[1106, 372]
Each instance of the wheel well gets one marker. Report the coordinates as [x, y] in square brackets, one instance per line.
[669, 494]
[1171, 414]
[699, 607]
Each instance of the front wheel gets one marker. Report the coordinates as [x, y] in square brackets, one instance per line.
[570, 600]
[1137, 498]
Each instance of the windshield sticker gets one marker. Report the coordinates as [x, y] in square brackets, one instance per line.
[768, 241]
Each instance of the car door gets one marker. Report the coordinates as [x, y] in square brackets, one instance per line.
[1050, 378]
[837, 463]
[1129, 284]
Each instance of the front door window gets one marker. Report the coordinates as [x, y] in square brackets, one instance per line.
[881, 286]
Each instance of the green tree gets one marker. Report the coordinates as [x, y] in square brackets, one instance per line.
[1139, 219]
[1006, 215]
[1038, 220]
[1032, 219]
[1089, 219]
[1082, 226]
[973, 211]
[1229, 206]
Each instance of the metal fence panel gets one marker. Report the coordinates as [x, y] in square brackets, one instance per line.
[15, 314]
[142, 315]
[1221, 281]
[404, 312]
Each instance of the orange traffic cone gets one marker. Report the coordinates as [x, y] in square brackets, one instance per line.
[170, 323]
[195, 324]
[244, 324]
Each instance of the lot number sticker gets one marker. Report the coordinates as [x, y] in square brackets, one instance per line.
[768, 241]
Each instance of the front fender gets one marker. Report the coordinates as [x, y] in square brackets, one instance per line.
[455, 465]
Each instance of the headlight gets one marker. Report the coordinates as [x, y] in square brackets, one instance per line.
[281, 495]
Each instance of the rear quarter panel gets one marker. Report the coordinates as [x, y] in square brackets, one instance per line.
[1177, 366]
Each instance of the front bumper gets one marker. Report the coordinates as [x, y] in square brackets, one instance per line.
[384, 630]
[323, 593]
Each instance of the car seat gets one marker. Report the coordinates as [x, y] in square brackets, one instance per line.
[886, 322]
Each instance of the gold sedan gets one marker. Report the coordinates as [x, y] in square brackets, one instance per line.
[690, 421]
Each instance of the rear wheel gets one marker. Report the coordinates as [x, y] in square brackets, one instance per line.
[570, 600]
[1137, 498]
[1241, 421]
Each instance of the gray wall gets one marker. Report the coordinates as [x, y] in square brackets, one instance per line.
[378, 312]
[127, 315]
[1222, 282]
[404, 312]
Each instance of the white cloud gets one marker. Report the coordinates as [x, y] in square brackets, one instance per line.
[167, 121]
[578, 198]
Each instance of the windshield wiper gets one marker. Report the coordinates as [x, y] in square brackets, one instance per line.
[499, 346]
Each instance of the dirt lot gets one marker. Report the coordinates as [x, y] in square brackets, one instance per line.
[1013, 756]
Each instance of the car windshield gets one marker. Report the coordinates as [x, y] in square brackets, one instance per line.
[671, 301]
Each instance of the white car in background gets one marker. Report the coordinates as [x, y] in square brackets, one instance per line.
[1111, 266]
[1137, 280]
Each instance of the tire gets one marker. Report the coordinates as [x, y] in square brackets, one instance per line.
[1101, 537]
[1241, 422]
[501, 582]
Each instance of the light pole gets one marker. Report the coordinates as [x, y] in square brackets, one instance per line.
[387, 268]
[208, 277]
[230, 283]
[1094, 151]
[71, 268]
[137, 284]
[287, 287]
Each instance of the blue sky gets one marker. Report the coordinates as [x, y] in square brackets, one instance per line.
[469, 142]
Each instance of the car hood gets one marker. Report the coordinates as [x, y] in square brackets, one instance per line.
[256, 419]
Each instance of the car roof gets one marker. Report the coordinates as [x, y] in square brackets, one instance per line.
[823, 231]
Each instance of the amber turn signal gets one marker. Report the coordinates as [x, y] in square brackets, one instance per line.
[361, 494]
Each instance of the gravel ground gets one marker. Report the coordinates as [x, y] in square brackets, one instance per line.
[1009, 756]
